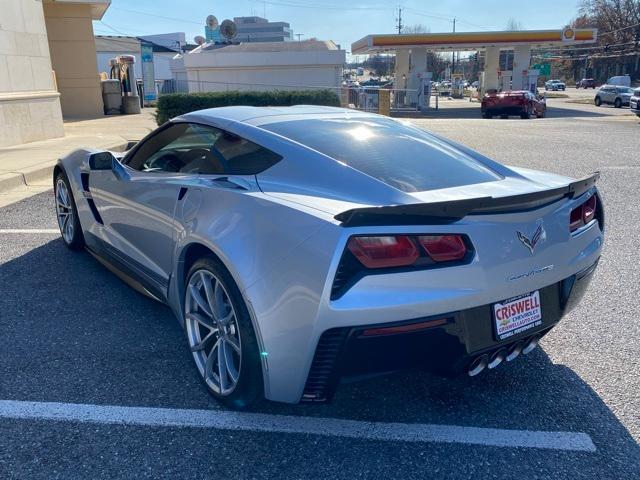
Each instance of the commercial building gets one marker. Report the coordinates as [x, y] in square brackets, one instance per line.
[47, 66]
[258, 29]
[260, 66]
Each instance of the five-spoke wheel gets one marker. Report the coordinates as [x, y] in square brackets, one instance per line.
[220, 334]
[67, 214]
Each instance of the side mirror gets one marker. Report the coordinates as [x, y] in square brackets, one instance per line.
[101, 161]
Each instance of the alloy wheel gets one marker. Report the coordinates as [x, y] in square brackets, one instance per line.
[64, 211]
[212, 332]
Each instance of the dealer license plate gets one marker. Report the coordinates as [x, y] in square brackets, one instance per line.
[516, 315]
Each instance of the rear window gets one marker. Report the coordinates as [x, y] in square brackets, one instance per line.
[399, 155]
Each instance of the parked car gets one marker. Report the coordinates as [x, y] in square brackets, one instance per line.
[613, 95]
[300, 245]
[555, 85]
[586, 83]
[620, 80]
[517, 102]
[634, 102]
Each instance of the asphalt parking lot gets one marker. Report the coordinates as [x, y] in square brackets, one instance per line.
[75, 341]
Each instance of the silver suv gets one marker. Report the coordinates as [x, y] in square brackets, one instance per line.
[613, 95]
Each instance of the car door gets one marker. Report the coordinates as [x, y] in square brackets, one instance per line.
[137, 199]
[608, 94]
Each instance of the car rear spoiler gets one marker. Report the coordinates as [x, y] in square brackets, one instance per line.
[453, 210]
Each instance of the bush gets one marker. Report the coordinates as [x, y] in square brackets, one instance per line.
[174, 104]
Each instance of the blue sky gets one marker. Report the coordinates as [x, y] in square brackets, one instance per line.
[342, 22]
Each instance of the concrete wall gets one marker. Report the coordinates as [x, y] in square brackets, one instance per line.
[29, 102]
[73, 56]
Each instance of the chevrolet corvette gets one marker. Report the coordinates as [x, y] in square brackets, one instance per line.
[299, 246]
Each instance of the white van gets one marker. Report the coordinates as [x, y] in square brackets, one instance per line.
[620, 81]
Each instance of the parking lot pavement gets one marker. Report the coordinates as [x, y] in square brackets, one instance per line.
[97, 381]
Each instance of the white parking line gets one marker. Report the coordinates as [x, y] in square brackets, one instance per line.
[331, 427]
[29, 230]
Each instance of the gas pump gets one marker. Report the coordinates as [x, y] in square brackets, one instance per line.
[424, 94]
[504, 80]
[530, 80]
[457, 87]
[130, 98]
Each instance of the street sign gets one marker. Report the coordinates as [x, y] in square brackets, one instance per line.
[544, 69]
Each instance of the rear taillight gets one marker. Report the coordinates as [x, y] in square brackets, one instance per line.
[384, 251]
[371, 254]
[583, 214]
[402, 250]
[444, 248]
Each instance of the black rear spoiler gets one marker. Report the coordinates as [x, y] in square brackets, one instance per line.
[454, 210]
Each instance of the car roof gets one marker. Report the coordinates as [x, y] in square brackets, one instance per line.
[260, 115]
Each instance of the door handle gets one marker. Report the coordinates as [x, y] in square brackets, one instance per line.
[232, 183]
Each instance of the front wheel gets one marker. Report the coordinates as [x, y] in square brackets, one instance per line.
[221, 336]
[67, 213]
[617, 103]
[526, 114]
[597, 101]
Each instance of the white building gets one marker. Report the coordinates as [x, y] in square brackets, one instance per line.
[258, 29]
[260, 66]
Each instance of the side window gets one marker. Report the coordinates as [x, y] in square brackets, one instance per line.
[195, 148]
[179, 148]
[242, 157]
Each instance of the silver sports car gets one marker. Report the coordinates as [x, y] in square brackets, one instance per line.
[303, 245]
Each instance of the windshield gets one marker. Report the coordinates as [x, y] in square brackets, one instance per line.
[625, 90]
[399, 155]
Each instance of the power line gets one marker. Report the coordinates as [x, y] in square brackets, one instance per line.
[157, 16]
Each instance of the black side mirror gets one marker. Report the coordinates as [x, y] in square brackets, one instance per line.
[101, 161]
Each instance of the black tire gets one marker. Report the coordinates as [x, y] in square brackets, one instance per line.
[526, 114]
[76, 240]
[597, 101]
[249, 387]
[617, 103]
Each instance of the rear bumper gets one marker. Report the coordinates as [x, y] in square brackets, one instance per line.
[445, 344]
[506, 110]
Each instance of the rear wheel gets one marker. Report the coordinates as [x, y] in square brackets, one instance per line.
[617, 103]
[597, 101]
[221, 336]
[67, 213]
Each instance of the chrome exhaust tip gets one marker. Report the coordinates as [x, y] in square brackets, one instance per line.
[514, 351]
[531, 344]
[496, 358]
[477, 365]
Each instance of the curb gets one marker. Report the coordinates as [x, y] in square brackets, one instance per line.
[39, 175]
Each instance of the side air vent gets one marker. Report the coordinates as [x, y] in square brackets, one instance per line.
[323, 373]
[84, 178]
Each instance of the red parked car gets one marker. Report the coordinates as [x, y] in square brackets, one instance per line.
[518, 102]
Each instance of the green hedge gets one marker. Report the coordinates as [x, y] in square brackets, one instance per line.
[174, 104]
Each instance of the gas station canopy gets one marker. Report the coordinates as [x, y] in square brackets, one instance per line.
[473, 40]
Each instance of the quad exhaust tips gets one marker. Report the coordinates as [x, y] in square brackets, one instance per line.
[509, 354]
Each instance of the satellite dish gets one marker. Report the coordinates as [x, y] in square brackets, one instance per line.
[228, 29]
[199, 39]
[212, 22]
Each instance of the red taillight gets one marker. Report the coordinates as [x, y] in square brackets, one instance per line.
[583, 214]
[589, 210]
[384, 251]
[444, 248]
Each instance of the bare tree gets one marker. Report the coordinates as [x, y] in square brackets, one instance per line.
[513, 25]
[417, 28]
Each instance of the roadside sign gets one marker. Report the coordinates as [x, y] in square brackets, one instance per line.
[544, 69]
[148, 75]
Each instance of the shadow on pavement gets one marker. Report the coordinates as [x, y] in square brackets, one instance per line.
[72, 332]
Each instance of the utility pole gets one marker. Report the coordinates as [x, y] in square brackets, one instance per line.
[453, 57]
[400, 20]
